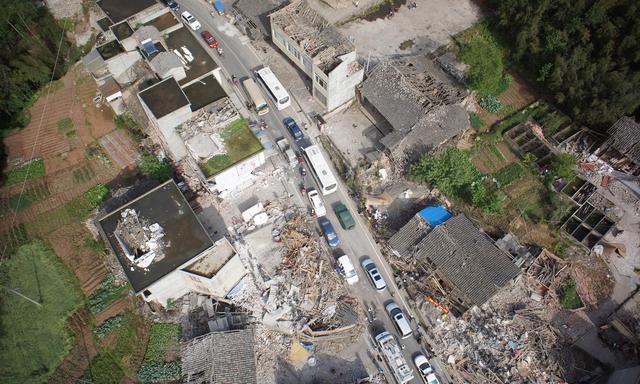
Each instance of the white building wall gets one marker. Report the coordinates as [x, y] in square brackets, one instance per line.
[237, 175]
[342, 82]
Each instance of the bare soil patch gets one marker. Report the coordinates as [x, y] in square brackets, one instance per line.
[68, 243]
[117, 307]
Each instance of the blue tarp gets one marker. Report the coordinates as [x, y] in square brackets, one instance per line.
[218, 6]
[149, 47]
[434, 216]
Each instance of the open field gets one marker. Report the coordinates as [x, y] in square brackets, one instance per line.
[31, 350]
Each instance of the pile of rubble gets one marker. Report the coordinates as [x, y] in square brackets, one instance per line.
[306, 297]
[515, 345]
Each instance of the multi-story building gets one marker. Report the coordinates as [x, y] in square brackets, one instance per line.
[320, 51]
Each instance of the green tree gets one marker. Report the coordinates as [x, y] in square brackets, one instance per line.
[151, 166]
[450, 171]
[562, 166]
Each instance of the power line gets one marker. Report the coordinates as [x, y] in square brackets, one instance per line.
[35, 141]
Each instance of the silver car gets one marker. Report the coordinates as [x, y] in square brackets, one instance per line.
[399, 320]
[374, 275]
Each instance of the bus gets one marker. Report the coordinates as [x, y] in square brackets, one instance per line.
[259, 103]
[276, 90]
[320, 170]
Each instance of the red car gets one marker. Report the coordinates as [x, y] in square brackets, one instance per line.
[209, 39]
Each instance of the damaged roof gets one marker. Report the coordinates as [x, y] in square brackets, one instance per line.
[220, 358]
[184, 238]
[319, 38]
[464, 256]
[624, 136]
[404, 91]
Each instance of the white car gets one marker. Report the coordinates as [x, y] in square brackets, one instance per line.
[422, 363]
[347, 270]
[432, 379]
[191, 21]
[399, 320]
[374, 275]
[316, 203]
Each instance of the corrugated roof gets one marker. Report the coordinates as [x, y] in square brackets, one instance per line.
[624, 136]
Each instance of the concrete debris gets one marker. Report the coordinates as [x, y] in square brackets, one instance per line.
[305, 295]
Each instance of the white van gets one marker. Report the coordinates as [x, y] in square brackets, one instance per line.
[348, 271]
[316, 203]
[399, 320]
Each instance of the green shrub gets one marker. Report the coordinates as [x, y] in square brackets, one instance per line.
[476, 121]
[105, 370]
[479, 50]
[151, 166]
[450, 171]
[569, 298]
[491, 104]
[509, 174]
[65, 125]
[125, 121]
[562, 166]
[485, 199]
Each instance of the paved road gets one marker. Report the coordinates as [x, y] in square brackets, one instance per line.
[239, 59]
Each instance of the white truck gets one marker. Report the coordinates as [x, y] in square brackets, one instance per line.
[289, 154]
[393, 355]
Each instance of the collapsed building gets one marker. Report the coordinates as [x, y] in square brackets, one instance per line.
[220, 358]
[421, 106]
[463, 264]
[164, 250]
[320, 51]
[622, 148]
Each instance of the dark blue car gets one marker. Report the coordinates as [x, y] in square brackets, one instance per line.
[292, 126]
[329, 233]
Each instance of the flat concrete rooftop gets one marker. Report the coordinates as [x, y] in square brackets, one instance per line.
[204, 92]
[119, 10]
[164, 97]
[202, 61]
[184, 238]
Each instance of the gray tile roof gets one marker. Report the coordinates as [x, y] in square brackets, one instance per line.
[624, 136]
[464, 256]
[220, 358]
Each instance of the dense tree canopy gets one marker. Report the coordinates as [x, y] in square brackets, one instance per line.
[29, 41]
[585, 53]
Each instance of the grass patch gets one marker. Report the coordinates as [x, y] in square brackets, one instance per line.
[568, 296]
[240, 143]
[509, 174]
[35, 338]
[106, 293]
[12, 239]
[126, 121]
[65, 125]
[519, 117]
[29, 196]
[475, 121]
[160, 362]
[71, 134]
[105, 369]
[406, 44]
[30, 170]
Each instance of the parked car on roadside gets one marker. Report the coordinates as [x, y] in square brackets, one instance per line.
[347, 269]
[329, 232]
[423, 365]
[209, 39]
[191, 21]
[432, 379]
[374, 275]
[292, 126]
[399, 320]
[344, 216]
[172, 5]
[316, 203]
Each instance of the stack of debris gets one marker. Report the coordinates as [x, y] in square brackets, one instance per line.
[513, 343]
[305, 297]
